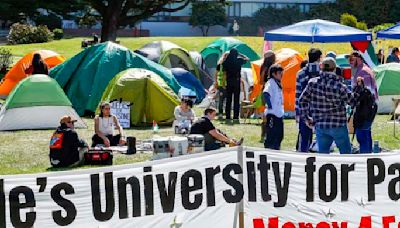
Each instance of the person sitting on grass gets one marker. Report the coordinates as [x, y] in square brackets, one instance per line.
[203, 126]
[104, 125]
[184, 114]
[66, 148]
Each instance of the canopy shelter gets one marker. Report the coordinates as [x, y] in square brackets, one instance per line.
[213, 51]
[85, 76]
[151, 98]
[17, 72]
[387, 78]
[169, 55]
[317, 31]
[390, 33]
[37, 102]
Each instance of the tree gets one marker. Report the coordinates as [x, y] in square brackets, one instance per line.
[272, 17]
[206, 14]
[349, 20]
[116, 13]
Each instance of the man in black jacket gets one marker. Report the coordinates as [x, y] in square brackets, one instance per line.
[66, 148]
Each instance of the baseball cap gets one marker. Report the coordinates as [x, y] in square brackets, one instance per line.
[331, 54]
[67, 119]
[329, 63]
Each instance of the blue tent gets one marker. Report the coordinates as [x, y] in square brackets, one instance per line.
[317, 31]
[188, 80]
[390, 33]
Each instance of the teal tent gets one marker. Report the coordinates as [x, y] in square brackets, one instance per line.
[85, 76]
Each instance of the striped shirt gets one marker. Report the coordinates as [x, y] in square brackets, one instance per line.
[324, 101]
[303, 76]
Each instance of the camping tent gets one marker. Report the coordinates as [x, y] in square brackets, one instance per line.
[189, 81]
[317, 31]
[150, 96]
[213, 51]
[387, 78]
[342, 61]
[290, 60]
[85, 76]
[390, 33]
[169, 55]
[17, 72]
[206, 79]
[37, 102]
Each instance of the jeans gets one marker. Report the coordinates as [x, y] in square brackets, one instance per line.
[325, 137]
[364, 138]
[221, 99]
[274, 132]
[304, 138]
[233, 89]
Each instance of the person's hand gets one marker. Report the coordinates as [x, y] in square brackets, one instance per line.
[122, 141]
[106, 142]
[232, 142]
[297, 119]
[310, 123]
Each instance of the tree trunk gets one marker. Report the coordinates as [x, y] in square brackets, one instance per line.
[110, 21]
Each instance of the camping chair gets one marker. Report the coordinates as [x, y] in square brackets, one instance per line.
[249, 108]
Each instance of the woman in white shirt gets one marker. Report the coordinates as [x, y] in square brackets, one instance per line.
[274, 111]
[104, 125]
[184, 114]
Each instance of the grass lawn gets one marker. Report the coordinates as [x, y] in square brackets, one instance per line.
[27, 151]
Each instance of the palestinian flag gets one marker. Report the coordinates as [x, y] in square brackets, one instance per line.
[367, 51]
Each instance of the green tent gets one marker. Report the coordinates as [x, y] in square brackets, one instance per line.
[342, 61]
[85, 76]
[388, 82]
[169, 55]
[150, 96]
[213, 52]
[37, 102]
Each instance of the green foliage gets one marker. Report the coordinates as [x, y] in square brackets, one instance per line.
[5, 59]
[380, 27]
[52, 21]
[88, 20]
[248, 27]
[206, 14]
[349, 20]
[362, 25]
[26, 34]
[327, 11]
[58, 34]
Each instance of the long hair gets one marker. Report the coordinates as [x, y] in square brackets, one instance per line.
[102, 106]
[269, 59]
[39, 66]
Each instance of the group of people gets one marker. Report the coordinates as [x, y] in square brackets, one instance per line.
[392, 58]
[322, 103]
[67, 149]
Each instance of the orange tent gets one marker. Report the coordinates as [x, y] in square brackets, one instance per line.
[17, 72]
[290, 60]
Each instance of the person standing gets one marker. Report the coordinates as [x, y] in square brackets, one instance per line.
[311, 70]
[394, 56]
[323, 105]
[364, 114]
[233, 66]
[38, 66]
[360, 69]
[235, 28]
[220, 84]
[269, 60]
[274, 111]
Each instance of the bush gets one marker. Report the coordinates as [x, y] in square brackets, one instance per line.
[58, 34]
[380, 27]
[362, 26]
[5, 60]
[349, 20]
[272, 17]
[52, 21]
[26, 34]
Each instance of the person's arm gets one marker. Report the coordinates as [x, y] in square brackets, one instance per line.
[243, 88]
[178, 115]
[118, 126]
[220, 137]
[304, 102]
[267, 99]
[78, 141]
[298, 93]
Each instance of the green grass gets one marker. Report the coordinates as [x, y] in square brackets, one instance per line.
[27, 151]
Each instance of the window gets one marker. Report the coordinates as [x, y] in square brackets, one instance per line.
[234, 10]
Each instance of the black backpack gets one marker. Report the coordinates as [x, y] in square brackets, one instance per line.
[365, 109]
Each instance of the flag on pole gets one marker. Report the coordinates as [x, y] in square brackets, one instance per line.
[155, 126]
[367, 51]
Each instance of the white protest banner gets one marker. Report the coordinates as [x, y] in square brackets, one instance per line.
[312, 190]
[279, 189]
[188, 191]
[122, 110]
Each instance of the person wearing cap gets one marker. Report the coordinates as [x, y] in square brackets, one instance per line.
[274, 111]
[66, 148]
[394, 56]
[310, 70]
[360, 69]
[323, 106]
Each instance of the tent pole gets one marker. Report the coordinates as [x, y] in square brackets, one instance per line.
[241, 203]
